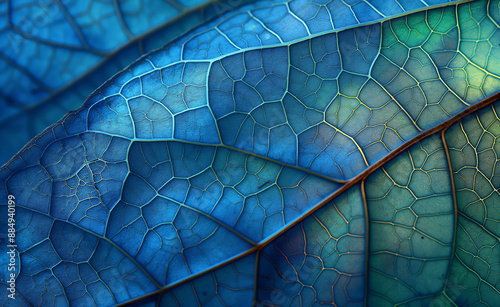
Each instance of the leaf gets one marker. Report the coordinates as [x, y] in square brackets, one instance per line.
[349, 167]
[33, 97]
[75, 55]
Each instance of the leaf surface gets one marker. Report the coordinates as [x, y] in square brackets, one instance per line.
[353, 166]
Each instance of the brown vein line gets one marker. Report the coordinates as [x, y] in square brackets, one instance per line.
[367, 239]
[193, 276]
[386, 159]
[362, 176]
[455, 207]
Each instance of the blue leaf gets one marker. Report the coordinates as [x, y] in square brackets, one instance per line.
[272, 156]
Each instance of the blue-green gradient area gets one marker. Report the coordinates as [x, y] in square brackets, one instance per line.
[203, 151]
[412, 221]
[474, 149]
[353, 96]
[55, 53]
[320, 260]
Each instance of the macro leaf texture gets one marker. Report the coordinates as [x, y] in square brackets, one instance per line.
[53, 54]
[282, 154]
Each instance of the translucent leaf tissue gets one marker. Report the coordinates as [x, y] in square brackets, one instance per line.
[265, 153]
